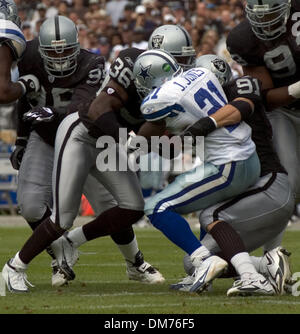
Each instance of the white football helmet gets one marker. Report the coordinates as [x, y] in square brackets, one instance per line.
[268, 18]
[217, 65]
[175, 40]
[59, 46]
[152, 68]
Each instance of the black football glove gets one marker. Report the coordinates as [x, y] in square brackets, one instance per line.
[17, 155]
[39, 115]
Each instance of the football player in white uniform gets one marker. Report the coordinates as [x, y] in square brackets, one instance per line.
[184, 104]
[12, 47]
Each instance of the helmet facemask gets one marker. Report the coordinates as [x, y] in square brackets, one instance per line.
[187, 58]
[60, 59]
[268, 23]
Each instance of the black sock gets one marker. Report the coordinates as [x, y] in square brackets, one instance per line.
[35, 224]
[228, 240]
[110, 222]
[41, 238]
[124, 237]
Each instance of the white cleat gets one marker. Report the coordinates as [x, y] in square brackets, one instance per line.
[184, 285]
[58, 278]
[143, 271]
[253, 286]
[66, 256]
[16, 280]
[275, 266]
[211, 268]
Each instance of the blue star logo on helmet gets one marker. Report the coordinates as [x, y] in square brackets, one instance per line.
[144, 73]
[4, 4]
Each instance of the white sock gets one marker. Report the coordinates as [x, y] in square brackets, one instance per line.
[243, 265]
[256, 262]
[18, 264]
[130, 250]
[199, 254]
[77, 236]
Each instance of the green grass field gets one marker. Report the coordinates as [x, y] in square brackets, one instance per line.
[101, 285]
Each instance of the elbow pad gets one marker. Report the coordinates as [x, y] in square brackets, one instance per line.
[243, 107]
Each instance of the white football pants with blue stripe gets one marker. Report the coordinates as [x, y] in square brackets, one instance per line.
[196, 190]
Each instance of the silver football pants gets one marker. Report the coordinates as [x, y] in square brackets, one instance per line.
[74, 159]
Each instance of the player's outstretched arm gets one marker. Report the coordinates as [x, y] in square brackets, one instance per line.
[9, 91]
[274, 97]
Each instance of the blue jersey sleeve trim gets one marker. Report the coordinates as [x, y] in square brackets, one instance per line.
[13, 32]
[166, 112]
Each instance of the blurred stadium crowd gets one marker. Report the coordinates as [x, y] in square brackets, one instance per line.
[107, 26]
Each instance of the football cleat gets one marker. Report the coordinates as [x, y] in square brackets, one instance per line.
[142, 271]
[275, 266]
[211, 268]
[66, 256]
[58, 277]
[15, 279]
[252, 286]
[184, 285]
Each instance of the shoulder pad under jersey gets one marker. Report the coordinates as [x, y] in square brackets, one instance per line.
[11, 35]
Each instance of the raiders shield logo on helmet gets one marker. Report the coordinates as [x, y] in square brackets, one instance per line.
[157, 41]
[219, 65]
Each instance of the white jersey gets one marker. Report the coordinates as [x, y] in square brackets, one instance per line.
[184, 100]
[10, 32]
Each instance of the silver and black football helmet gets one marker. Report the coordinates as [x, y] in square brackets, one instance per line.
[59, 46]
[152, 68]
[217, 65]
[9, 11]
[175, 40]
[268, 18]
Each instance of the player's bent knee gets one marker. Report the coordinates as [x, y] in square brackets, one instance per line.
[32, 211]
[65, 220]
[149, 208]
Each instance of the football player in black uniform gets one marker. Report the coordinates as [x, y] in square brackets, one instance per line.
[67, 83]
[257, 225]
[12, 47]
[117, 106]
[270, 51]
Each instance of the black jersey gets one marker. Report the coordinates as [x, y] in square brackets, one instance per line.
[281, 56]
[64, 95]
[248, 87]
[121, 71]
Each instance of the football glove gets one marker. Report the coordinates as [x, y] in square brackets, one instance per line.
[17, 155]
[133, 144]
[30, 83]
[39, 115]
